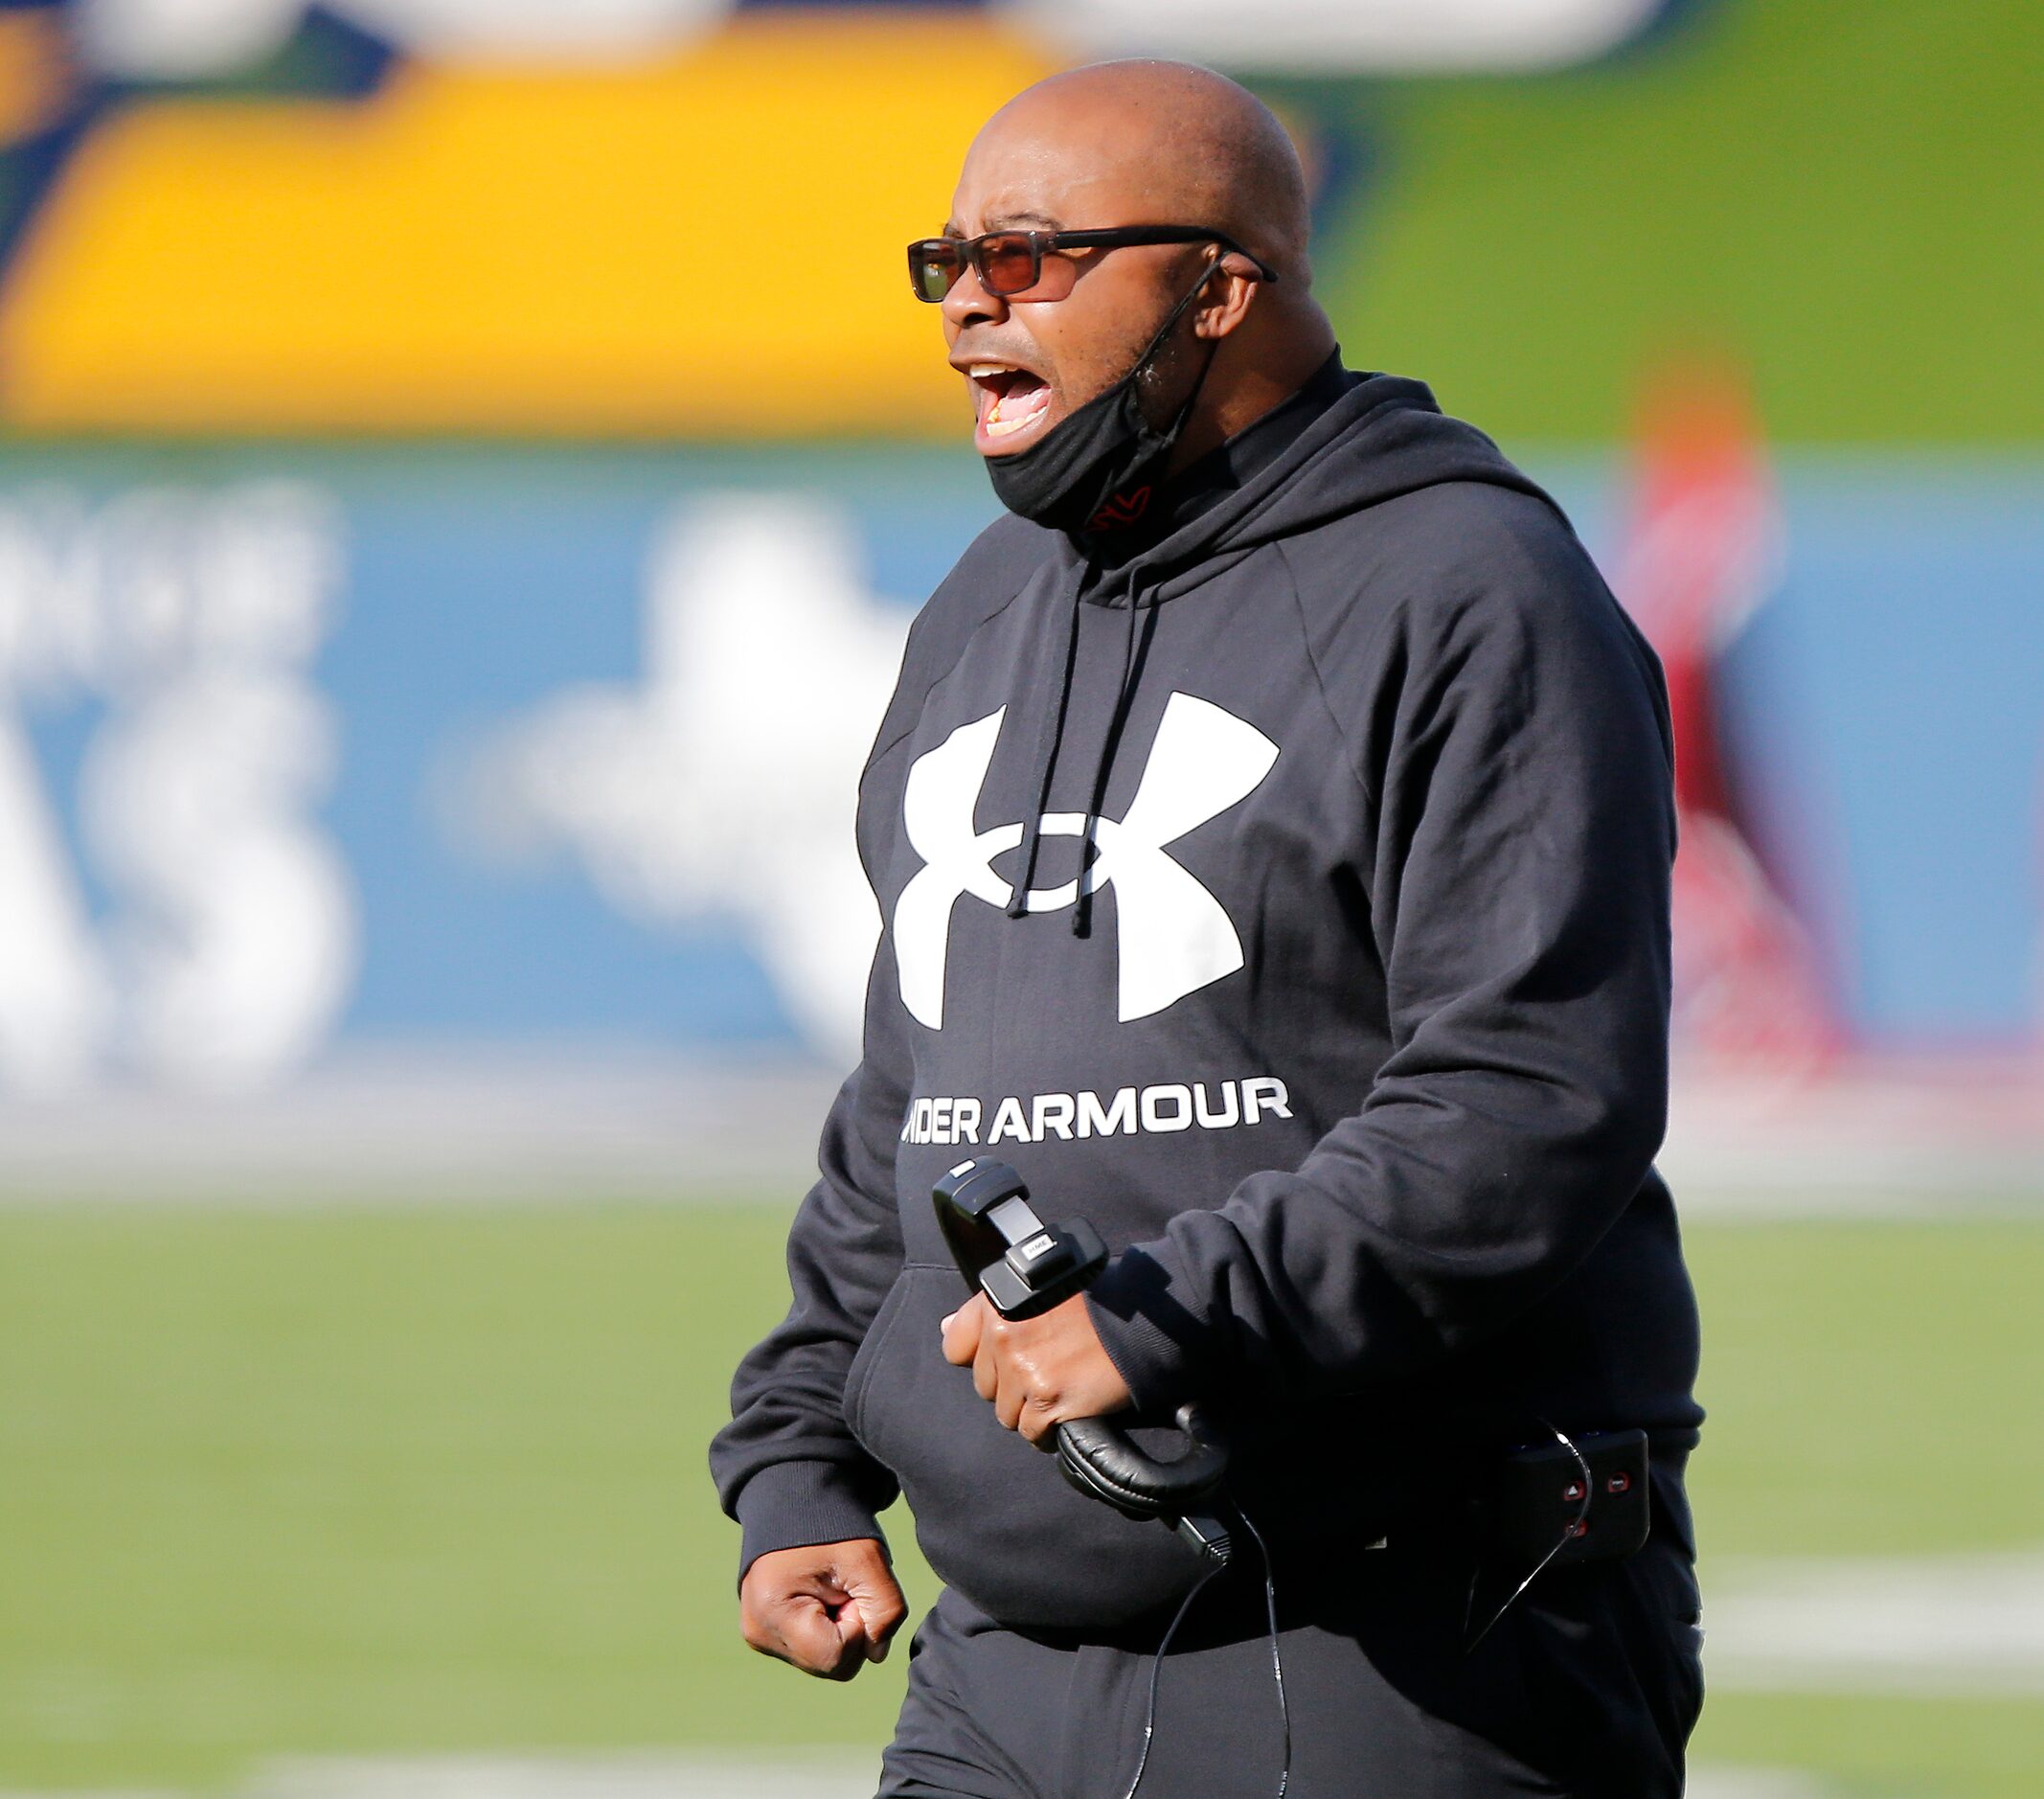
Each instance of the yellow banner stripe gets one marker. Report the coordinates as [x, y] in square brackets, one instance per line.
[710, 245]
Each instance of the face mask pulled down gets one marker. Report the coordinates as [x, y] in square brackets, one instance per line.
[1090, 470]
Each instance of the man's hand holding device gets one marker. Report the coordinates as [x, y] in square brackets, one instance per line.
[1039, 1372]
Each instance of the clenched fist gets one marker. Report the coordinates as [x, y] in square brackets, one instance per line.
[828, 1610]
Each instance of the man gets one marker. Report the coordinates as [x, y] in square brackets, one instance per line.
[1272, 829]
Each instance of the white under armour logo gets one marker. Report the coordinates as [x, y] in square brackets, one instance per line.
[1175, 938]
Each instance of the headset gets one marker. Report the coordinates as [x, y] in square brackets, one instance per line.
[1025, 1267]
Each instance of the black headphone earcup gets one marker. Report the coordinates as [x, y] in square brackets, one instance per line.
[1102, 1462]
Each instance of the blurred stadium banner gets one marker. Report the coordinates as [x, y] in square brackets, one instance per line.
[543, 744]
[469, 474]
[616, 217]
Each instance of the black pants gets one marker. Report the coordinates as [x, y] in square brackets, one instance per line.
[1587, 1689]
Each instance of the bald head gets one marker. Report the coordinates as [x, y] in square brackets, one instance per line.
[1206, 333]
[1157, 142]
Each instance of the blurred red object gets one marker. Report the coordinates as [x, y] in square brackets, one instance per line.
[1703, 549]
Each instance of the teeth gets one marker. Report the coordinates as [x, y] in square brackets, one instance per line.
[986, 371]
[1031, 408]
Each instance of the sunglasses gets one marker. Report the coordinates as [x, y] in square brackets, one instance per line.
[1010, 263]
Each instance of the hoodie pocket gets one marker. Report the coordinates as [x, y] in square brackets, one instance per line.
[858, 1378]
[994, 1517]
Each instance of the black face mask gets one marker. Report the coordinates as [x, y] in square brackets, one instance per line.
[1096, 468]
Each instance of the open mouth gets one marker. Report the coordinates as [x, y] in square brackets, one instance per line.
[1010, 400]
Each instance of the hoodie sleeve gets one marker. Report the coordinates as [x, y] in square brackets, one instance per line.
[787, 1467]
[1508, 728]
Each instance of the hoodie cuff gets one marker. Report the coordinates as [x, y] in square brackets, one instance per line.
[789, 1505]
[1157, 1343]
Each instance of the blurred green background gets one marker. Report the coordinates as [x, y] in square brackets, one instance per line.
[1843, 195]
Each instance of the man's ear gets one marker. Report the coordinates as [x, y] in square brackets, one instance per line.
[1237, 292]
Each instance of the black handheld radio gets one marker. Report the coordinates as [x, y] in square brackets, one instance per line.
[1024, 1267]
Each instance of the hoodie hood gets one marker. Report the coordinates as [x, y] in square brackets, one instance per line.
[1384, 437]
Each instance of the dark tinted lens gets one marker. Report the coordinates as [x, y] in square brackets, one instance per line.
[1008, 263]
[933, 267]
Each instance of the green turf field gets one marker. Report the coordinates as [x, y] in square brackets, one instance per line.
[363, 1480]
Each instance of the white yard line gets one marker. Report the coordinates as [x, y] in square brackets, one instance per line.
[480, 1125]
[845, 1774]
[1962, 1626]
[1753, 1783]
[476, 1123]
[1873, 1136]
[850, 1773]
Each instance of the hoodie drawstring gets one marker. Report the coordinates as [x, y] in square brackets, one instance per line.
[1047, 744]
[1097, 793]
[1050, 741]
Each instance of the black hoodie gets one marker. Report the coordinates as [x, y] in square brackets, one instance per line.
[1353, 1047]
